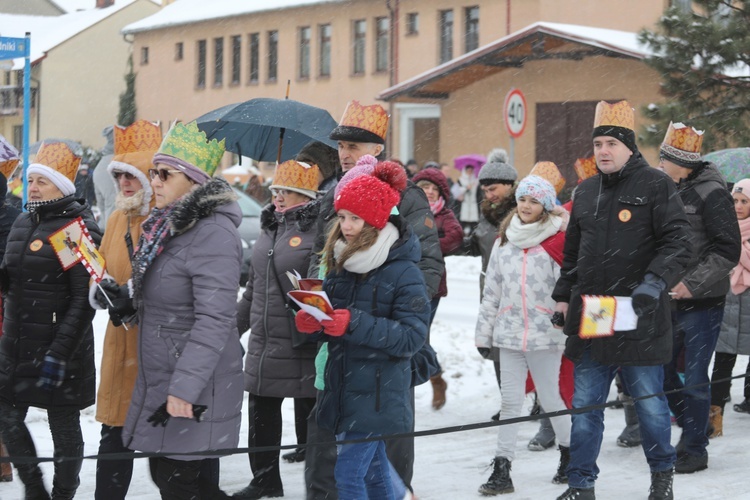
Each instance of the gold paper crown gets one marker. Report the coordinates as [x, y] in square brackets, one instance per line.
[371, 118]
[619, 114]
[683, 143]
[294, 174]
[58, 156]
[548, 171]
[585, 168]
[187, 143]
[142, 135]
[7, 167]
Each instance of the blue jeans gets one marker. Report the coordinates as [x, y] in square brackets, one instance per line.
[592, 383]
[363, 471]
[695, 332]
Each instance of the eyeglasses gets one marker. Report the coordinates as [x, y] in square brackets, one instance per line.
[127, 175]
[282, 192]
[163, 173]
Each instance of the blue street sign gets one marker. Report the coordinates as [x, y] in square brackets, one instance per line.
[11, 48]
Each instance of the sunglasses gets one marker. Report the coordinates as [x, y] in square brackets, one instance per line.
[127, 175]
[163, 173]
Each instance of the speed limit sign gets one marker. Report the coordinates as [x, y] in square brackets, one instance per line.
[514, 112]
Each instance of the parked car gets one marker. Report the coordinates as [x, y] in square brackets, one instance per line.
[249, 229]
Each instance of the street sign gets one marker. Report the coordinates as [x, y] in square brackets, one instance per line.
[11, 48]
[514, 112]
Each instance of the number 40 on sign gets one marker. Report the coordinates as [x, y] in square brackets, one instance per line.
[514, 112]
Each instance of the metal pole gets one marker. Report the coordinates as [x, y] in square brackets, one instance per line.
[26, 110]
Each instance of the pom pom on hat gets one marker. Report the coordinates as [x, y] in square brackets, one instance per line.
[539, 189]
[364, 166]
[373, 196]
[497, 169]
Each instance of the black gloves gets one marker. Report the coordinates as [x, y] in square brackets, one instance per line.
[161, 417]
[485, 352]
[119, 295]
[646, 295]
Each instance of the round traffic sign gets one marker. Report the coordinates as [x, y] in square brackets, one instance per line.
[514, 112]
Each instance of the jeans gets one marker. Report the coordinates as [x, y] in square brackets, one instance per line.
[112, 476]
[592, 383]
[696, 332]
[363, 471]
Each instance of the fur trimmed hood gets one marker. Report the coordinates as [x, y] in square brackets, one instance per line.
[136, 164]
[303, 216]
[201, 202]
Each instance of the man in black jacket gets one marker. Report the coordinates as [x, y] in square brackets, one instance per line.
[698, 299]
[627, 237]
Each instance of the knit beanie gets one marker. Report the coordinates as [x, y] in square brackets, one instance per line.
[364, 166]
[497, 169]
[372, 197]
[742, 187]
[297, 176]
[539, 189]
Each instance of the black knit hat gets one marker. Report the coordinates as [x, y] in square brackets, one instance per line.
[622, 134]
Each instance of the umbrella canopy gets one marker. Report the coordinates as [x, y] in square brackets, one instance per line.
[474, 160]
[734, 164]
[253, 128]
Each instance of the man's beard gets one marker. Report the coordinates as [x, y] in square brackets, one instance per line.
[496, 212]
[131, 205]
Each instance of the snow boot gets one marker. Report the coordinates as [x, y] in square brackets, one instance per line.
[298, 455]
[743, 407]
[631, 435]
[561, 477]
[578, 494]
[438, 391]
[715, 421]
[661, 485]
[545, 437]
[500, 481]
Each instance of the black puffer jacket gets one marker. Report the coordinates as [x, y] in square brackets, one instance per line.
[624, 225]
[46, 312]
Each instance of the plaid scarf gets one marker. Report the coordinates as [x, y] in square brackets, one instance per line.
[157, 230]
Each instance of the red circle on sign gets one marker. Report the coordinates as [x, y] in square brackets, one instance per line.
[515, 105]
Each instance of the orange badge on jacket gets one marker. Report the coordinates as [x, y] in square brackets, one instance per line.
[625, 215]
[295, 241]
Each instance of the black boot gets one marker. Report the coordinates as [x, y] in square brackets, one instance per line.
[631, 434]
[254, 492]
[500, 481]
[562, 476]
[661, 485]
[295, 456]
[578, 494]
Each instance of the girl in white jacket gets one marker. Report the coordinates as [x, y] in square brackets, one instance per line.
[515, 317]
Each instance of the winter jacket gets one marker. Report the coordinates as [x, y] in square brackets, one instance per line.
[714, 237]
[734, 337]
[8, 215]
[416, 210]
[624, 225]
[273, 368]
[47, 312]
[517, 302]
[368, 374]
[188, 345]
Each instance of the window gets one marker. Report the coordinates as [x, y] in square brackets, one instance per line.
[201, 76]
[446, 35]
[381, 43]
[254, 51]
[18, 137]
[273, 54]
[412, 23]
[144, 56]
[218, 62]
[178, 51]
[471, 29]
[236, 58]
[325, 50]
[360, 32]
[304, 52]
[683, 5]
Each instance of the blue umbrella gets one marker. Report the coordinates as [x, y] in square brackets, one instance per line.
[255, 128]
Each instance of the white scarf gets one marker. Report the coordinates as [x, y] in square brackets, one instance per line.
[365, 261]
[530, 235]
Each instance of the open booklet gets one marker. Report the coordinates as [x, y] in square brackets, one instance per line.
[308, 294]
[602, 315]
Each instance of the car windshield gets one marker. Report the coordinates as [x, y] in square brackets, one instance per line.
[249, 207]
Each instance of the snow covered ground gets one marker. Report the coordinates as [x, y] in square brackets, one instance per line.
[452, 466]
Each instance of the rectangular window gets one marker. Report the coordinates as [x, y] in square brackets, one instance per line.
[304, 52]
[144, 56]
[360, 33]
[18, 137]
[446, 35]
[236, 58]
[683, 5]
[200, 81]
[325, 49]
[381, 43]
[254, 54]
[471, 28]
[412, 23]
[273, 54]
[218, 62]
[178, 51]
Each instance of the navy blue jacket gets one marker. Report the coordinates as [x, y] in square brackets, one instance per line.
[368, 374]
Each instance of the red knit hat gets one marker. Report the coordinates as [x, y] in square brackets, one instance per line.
[372, 197]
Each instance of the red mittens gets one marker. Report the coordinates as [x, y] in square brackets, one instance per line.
[306, 323]
[338, 323]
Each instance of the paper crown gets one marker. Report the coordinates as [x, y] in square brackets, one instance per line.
[59, 157]
[682, 143]
[619, 114]
[548, 171]
[372, 118]
[9, 158]
[297, 176]
[141, 136]
[187, 143]
[7, 167]
[585, 168]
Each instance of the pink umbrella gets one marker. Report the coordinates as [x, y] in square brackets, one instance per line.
[474, 160]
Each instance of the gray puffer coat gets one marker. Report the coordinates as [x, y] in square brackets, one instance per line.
[735, 327]
[188, 345]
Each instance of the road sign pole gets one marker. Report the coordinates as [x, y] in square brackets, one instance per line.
[26, 110]
[512, 152]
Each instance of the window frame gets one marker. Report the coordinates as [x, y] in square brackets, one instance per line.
[218, 61]
[253, 55]
[325, 35]
[412, 23]
[445, 33]
[236, 69]
[359, 47]
[273, 55]
[304, 45]
[201, 52]
[471, 28]
[382, 45]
